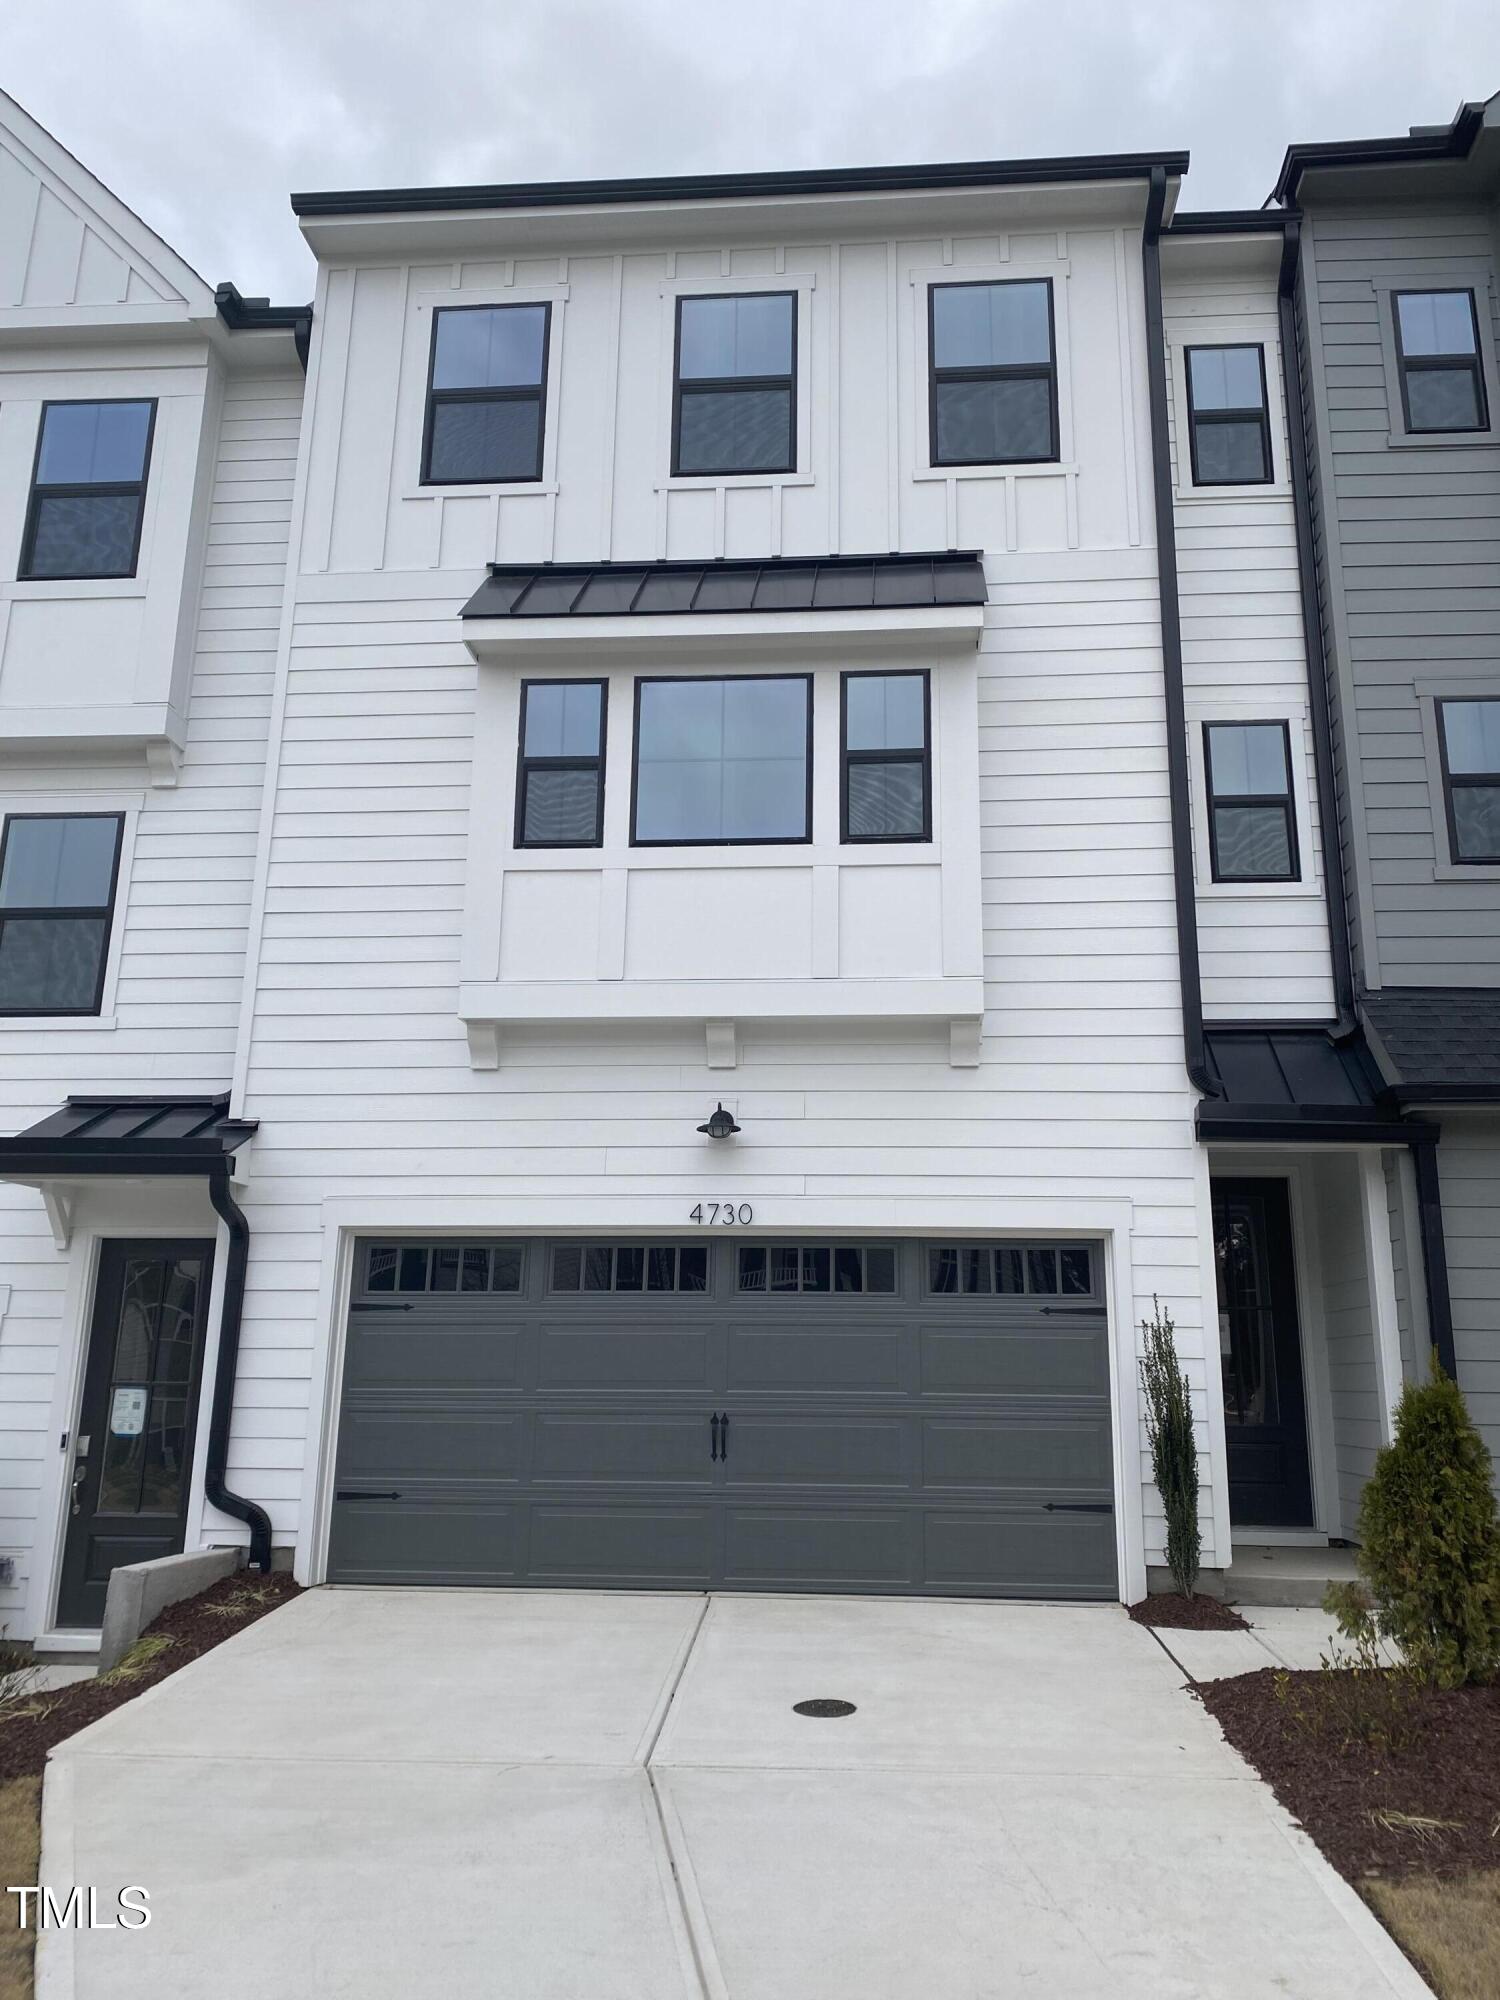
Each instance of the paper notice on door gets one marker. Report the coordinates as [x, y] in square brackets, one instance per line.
[127, 1413]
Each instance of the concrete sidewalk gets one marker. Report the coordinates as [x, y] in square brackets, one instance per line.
[547, 1796]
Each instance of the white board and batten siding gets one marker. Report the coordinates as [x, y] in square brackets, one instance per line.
[182, 915]
[355, 1059]
[1263, 946]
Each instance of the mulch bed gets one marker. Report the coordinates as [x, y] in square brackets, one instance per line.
[32, 1724]
[1449, 1772]
[1175, 1613]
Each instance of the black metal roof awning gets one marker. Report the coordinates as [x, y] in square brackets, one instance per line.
[127, 1135]
[1297, 1084]
[952, 578]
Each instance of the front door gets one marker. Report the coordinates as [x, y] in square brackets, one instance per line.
[134, 1443]
[1260, 1348]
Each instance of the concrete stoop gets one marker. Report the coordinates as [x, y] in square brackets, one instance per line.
[1261, 1573]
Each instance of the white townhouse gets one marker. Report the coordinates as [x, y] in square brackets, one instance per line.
[635, 934]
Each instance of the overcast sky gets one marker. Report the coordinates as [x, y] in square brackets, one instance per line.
[204, 114]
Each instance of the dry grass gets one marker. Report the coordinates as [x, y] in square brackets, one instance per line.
[1450, 1925]
[142, 1656]
[247, 1597]
[20, 1860]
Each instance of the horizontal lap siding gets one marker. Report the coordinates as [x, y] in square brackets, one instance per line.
[359, 1068]
[1469, 1175]
[185, 911]
[1264, 954]
[1418, 543]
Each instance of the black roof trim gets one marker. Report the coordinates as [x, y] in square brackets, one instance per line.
[732, 585]
[1413, 149]
[1231, 222]
[128, 1135]
[242, 315]
[739, 187]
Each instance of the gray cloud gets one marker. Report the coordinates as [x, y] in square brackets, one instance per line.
[204, 114]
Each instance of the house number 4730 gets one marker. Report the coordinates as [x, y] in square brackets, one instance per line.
[723, 1212]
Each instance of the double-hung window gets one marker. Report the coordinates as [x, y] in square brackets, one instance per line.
[887, 789]
[57, 895]
[1438, 359]
[723, 761]
[993, 369]
[1469, 736]
[560, 782]
[486, 395]
[1252, 821]
[1229, 431]
[88, 490]
[734, 396]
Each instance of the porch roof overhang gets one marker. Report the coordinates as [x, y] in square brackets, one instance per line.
[1299, 1085]
[1436, 1044]
[92, 1137]
[936, 599]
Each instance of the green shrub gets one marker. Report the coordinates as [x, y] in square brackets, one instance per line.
[1174, 1449]
[1429, 1543]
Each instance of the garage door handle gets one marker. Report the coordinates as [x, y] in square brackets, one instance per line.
[724, 1435]
[366, 1496]
[1078, 1506]
[713, 1437]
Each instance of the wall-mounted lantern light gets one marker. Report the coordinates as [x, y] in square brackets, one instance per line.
[721, 1125]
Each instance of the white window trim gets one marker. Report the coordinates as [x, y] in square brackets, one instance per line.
[1309, 882]
[416, 351]
[128, 806]
[1445, 866]
[993, 271]
[1260, 331]
[1462, 274]
[669, 291]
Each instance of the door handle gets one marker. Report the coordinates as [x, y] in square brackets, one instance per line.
[724, 1435]
[80, 1474]
[713, 1437]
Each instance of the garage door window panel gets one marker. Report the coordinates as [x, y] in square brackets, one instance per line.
[816, 1268]
[629, 1267]
[444, 1267]
[1010, 1270]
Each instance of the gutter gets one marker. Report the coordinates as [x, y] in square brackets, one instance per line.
[742, 187]
[1195, 1051]
[242, 315]
[1334, 885]
[1434, 1250]
[1453, 142]
[216, 1458]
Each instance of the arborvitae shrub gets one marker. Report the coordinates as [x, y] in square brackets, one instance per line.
[1430, 1542]
[1174, 1449]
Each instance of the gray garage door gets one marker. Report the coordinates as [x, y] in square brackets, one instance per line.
[863, 1416]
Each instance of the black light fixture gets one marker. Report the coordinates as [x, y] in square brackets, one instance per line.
[721, 1125]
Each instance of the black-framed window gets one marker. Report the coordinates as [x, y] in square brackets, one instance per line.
[1252, 820]
[1469, 738]
[886, 728]
[992, 389]
[560, 776]
[486, 395]
[1229, 427]
[58, 874]
[816, 1267]
[1438, 359]
[722, 761]
[88, 490]
[734, 390]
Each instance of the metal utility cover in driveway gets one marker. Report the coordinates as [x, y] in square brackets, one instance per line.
[857, 1415]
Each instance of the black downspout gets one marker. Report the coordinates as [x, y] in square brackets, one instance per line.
[1434, 1251]
[1194, 1051]
[216, 1458]
[1334, 887]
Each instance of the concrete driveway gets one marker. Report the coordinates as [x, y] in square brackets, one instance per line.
[566, 1796]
